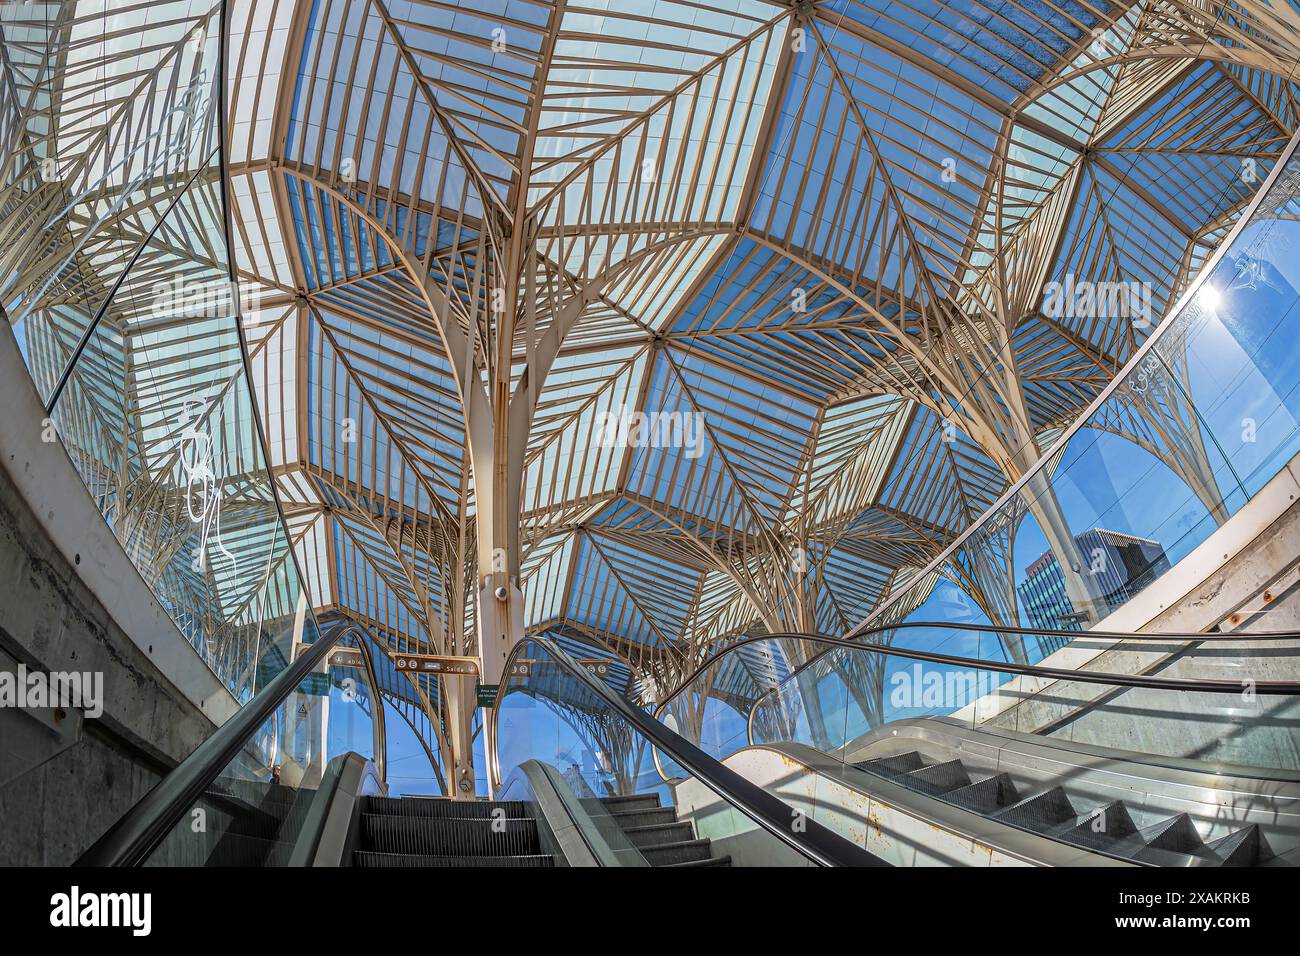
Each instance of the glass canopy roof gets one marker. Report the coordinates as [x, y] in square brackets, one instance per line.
[827, 253]
[824, 230]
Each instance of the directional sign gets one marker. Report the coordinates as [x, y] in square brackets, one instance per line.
[436, 664]
[593, 665]
[596, 665]
[346, 658]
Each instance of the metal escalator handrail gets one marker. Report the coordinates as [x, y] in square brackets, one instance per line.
[138, 833]
[1284, 688]
[816, 843]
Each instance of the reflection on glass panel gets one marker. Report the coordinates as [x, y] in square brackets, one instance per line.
[265, 806]
[1202, 420]
[117, 280]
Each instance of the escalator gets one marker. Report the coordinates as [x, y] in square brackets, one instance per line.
[263, 791]
[419, 832]
[656, 832]
[1063, 810]
[1034, 765]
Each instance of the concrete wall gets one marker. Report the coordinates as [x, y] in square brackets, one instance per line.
[70, 600]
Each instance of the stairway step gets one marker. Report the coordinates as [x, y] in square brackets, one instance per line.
[241, 817]
[439, 836]
[370, 859]
[711, 861]
[255, 791]
[659, 834]
[250, 799]
[894, 765]
[442, 808]
[1244, 847]
[236, 849]
[937, 780]
[986, 796]
[1171, 842]
[1102, 828]
[644, 818]
[632, 801]
[1041, 812]
[683, 852]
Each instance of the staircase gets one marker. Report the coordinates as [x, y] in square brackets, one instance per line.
[1108, 828]
[656, 832]
[416, 831]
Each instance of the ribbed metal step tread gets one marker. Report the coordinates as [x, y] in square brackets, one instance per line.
[237, 849]
[1040, 812]
[371, 859]
[440, 836]
[682, 852]
[641, 818]
[894, 765]
[711, 861]
[440, 808]
[1171, 842]
[1101, 828]
[659, 834]
[986, 796]
[632, 801]
[938, 779]
[1244, 847]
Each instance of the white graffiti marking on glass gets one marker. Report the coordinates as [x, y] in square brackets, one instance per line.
[202, 492]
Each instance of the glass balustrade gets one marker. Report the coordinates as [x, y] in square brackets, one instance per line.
[1203, 418]
[645, 806]
[1215, 717]
[266, 804]
[122, 301]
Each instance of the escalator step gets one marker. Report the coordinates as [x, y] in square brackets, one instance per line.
[240, 817]
[659, 834]
[1171, 842]
[644, 818]
[938, 779]
[986, 796]
[254, 791]
[1244, 847]
[1041, 812]
[1178, 834]
[235, 849]
[894, 765]
[1101, 828]
[246, 803]
[686, 851]
[711, 861]
[439, 807]
[632, 801]
[437, 836]
[372, 860]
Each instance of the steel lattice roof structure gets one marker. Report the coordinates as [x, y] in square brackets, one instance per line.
[820, 235]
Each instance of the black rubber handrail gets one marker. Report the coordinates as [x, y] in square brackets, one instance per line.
[131, 840]
[816, 843]
[1283, 688]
